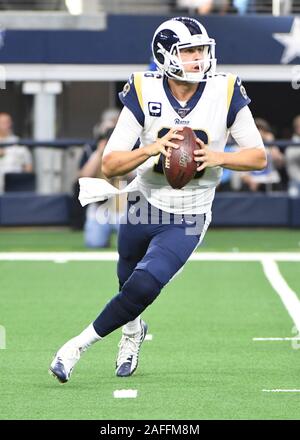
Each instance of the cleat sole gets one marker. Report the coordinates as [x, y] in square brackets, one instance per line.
[53, 374]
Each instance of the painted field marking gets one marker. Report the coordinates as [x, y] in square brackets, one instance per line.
[113, 256]
[290, 301]
[282, 391]
[125, 394]
[277, 339]
[58, 256]
[148, 337]
[287, 295]
[2, 337]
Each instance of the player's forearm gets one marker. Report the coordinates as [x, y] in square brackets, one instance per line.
[119, 163]
[245, 160]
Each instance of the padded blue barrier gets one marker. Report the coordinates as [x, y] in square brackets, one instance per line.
[18, 209]
[295, 212]
[19, 182]
[240, 209]
[229, 209]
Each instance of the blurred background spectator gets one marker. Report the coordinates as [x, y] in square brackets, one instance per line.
[15, 158]
[268, 179]
[89, 163]
[97, 231]
[48, 5]
[227, 179]
[244, 6]
[107, 121]
[99, 220]
[293, 160]
[198, 6]
[204, 7]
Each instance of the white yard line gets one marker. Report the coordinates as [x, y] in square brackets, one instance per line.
[113, 256]
[277, 339]
[287, 295]
[58, 256]
[125, 394]
[282, 391]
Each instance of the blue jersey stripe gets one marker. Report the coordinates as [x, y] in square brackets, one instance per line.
[238, 101]
[130, 99]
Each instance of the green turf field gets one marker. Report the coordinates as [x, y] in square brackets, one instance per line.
[201, 364]
[260, 240]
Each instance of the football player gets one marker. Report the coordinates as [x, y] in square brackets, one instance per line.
[185, 91]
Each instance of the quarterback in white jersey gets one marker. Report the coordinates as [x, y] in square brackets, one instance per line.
[210, 112]
[186, 91]
[213, 105]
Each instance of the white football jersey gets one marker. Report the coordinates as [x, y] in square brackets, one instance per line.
[210, 113]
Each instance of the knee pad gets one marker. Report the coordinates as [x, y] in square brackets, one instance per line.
[137, 293]
[141, 288]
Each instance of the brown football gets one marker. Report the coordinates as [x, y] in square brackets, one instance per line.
[180, 168]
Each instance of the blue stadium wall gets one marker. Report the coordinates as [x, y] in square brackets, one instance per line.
[126, 40]
[229, 209]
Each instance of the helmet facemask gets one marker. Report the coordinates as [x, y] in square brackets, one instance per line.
[206, 64]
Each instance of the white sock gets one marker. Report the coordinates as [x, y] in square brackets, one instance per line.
[132, 326]
[88, 337]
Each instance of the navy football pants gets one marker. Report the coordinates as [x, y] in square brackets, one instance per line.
[149, 256]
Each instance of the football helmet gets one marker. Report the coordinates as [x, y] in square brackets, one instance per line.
[181, 33]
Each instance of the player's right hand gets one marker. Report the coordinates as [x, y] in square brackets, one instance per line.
[161, 144]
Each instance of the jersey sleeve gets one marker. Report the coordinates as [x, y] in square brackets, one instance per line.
[244, 130]
[125, 135]
[132, 98]
[237, 98]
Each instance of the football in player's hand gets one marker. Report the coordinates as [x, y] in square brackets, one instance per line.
[181, 167]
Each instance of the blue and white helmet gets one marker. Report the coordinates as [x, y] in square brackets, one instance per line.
[181, 33]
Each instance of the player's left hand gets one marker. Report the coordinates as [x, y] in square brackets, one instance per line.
[204, 157]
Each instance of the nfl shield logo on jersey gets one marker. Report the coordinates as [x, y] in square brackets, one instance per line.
[183, 111]
[154, 108]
